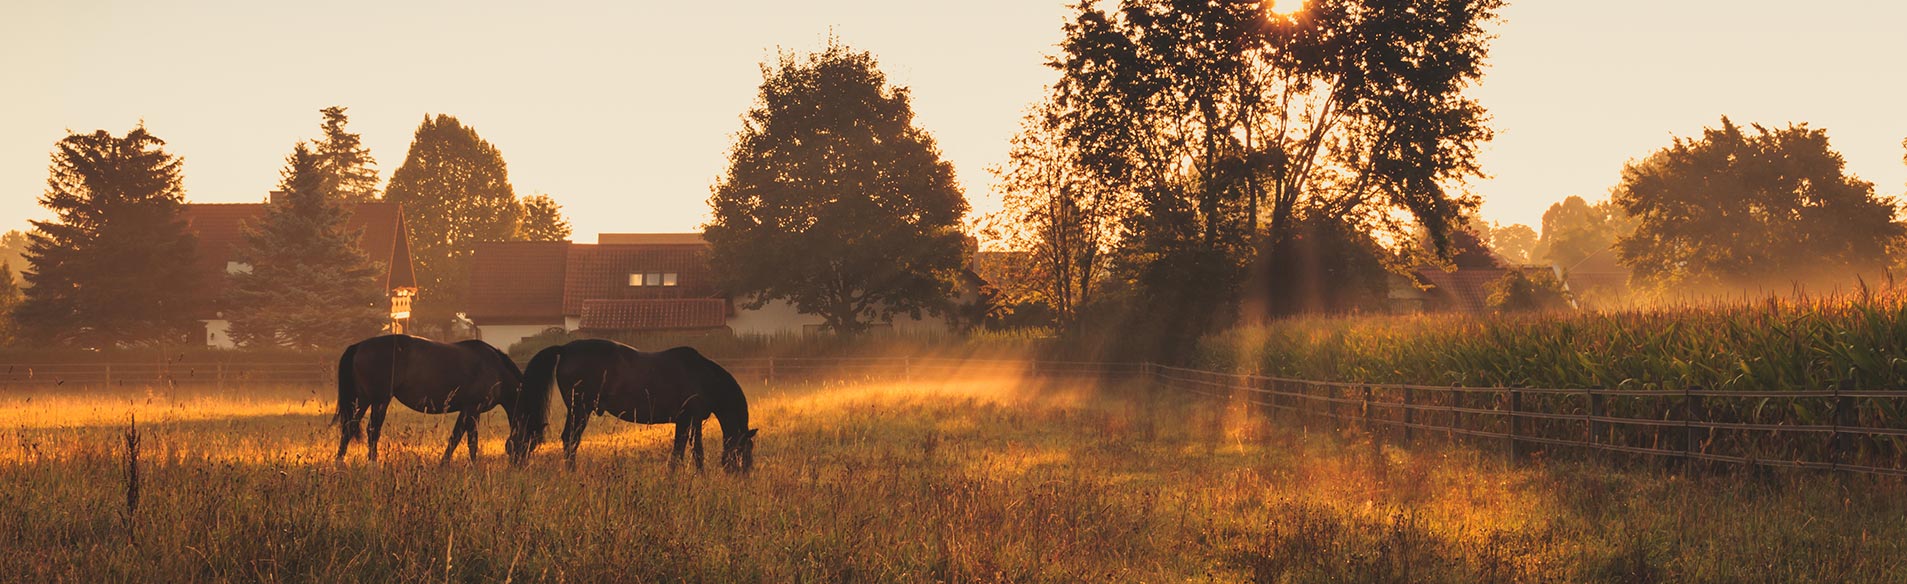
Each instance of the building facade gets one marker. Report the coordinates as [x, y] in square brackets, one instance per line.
[623, 283]
[219, 227]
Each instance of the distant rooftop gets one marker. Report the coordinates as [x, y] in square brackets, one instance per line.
[651, 238]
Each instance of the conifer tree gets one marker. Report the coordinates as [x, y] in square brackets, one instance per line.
[543, 220]
[9, 298]
[115, 267]
[310, 285]
[343, 159]
[456, 192]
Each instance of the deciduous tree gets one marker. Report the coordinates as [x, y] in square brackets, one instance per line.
[456, 192]
[115, 267]
[1221, 126]
[310, 285]
[1053, 214]
[1742, 208]
[834, 200]
[543, 220]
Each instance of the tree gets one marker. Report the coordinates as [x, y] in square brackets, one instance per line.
[456, 192]
[834, 200]
[1738, 210]
[343, 159]
[9, 299]
[1576, 233]
[1221, 127]
[1517, 291]
[1514, 242]
[115, 267]
[1053, 212]
[13, 250]
[310, 286]
[543, 220]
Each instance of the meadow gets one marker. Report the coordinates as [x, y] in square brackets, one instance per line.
[969, 477]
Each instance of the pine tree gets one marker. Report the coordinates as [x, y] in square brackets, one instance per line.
[9, 299]
[543, 220]
[343, 159]
[456, 192]
[116, 265]
[310, 285]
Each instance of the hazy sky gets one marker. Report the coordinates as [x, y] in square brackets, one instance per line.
[624, 110]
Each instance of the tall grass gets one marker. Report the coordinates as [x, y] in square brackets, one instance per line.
[1776, 344]
[958, 480]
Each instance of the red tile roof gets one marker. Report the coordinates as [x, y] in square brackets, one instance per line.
[651, 239]
[219, 229]
[518, 282]
[676, 314]
[601, 272]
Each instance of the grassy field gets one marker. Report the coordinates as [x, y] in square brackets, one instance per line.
[979, 477]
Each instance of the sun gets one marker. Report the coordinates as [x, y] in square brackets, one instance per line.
[1284, 7]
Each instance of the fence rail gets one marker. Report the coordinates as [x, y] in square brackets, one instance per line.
[1833, 430]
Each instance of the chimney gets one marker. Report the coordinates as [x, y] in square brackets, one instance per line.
[275, 195]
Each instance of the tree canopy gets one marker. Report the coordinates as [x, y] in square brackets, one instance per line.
[456, 192]
[343, 160]
[834, 200]
[310, 285]
[115, 266]
[543, 220]
[1751, 207]
[1217, 128]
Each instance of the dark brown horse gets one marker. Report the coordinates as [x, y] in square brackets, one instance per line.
[466, 378]
[678, 386]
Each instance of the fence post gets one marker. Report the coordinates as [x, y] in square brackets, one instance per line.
[109, 375]
[907, 368]
[1844, 415]
[218, 373]
[1516, 425]
[1598, 408]
[1366, 412]
[1456, 418]
[1331, 395]
[1410, 415]
[771, 370]
[1692, 436]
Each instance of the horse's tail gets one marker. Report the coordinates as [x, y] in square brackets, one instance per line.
[533, 400]
[347, 390]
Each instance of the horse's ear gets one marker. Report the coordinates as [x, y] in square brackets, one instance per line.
[751, 433]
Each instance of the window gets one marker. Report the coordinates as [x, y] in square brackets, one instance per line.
[644, 279]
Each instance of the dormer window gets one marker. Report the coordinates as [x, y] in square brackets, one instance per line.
[647, 279]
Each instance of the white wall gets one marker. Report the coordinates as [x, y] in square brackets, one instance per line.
[218, 334]
[777, 317]
[502, 336]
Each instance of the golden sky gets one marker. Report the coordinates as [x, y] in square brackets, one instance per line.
[624, 110]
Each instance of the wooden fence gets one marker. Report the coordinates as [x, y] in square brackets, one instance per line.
[1834, 430]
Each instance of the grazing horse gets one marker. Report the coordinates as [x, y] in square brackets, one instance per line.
[467, 378]
[678, 386]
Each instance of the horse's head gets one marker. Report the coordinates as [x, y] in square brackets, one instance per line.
[738, 452]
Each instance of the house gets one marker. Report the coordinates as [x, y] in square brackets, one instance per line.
[624, 283]
[219, 229]
[1429, 288]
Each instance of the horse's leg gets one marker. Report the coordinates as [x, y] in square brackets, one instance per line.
[351, 423]
[573, 434]
[376, 428]
[471, 435]
[695, 441]
[681, 440]
[457, 431]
